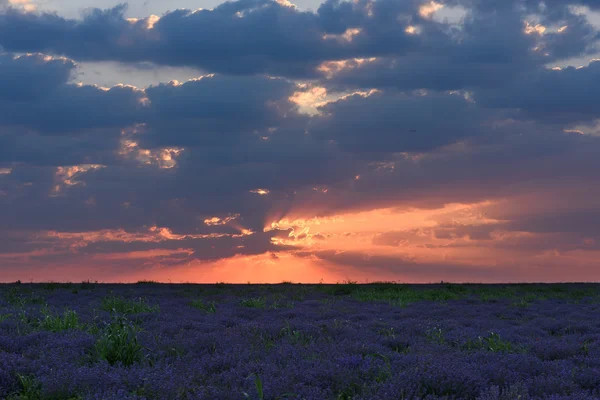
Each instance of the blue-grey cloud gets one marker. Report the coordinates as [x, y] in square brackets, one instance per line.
[560, 96]
[397, 122]
[199, 112]
[36, 94]
[265, 37]
[489, 50]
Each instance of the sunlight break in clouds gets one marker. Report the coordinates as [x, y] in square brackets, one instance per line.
[428, 9]
[347, 36]
[65, 176]
[25, 4]
[309, 100]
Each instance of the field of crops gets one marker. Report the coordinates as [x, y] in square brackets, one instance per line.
[345, 341]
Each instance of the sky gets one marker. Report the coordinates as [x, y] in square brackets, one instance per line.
[263, 141]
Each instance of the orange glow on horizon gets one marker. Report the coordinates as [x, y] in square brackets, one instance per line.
[408, 245]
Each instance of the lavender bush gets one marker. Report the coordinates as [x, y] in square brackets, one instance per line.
[288, 341]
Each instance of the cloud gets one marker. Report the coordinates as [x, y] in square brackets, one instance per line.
[488, 49]
[409, 270]
[561, 96]
[507, 160]
[197, 113]
[36, 95]
[266, 37]
[397, 122]
[29, 77]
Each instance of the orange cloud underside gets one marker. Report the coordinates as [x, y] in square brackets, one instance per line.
[411, 245]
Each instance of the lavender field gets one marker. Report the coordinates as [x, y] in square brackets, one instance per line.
[345, 341]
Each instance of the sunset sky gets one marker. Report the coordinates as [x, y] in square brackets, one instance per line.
[263, 141]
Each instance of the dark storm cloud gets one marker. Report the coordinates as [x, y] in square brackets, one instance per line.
[397, 122]
[45, 120]
[268, 39]
[198, 113]
[30, 77]
[489, 50]
[86, 121]
[508, 160]
[19, 145]
[560, 96]
[71, 109]
[264, 37]
[583, 221]
[35, 94]
[425, 71]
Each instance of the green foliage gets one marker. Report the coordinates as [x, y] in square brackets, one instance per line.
[585, 346]
[69, 320]
[260, 390]
[118, 342]
[339, 289]
[279, 303]
[489, 298]
[30, 389]
[349, 392]
[258, 385]
[522, 303]
[4, 317]
[125, 306]
[26, 322]
[262, 340]
[457, 288]
[257, 302]
[52, 286]
[387, 332]
[384, 374]
[146, 282]
[21, 297]
[295, 336]
[87, 285]
[400, 295]
[299, 293]
[495, 293]
[493, 343]
[436, 335]
[201, 305]
[401, 348]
